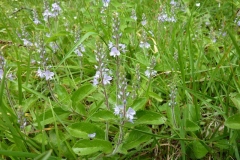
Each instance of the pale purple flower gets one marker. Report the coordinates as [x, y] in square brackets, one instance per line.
[40, 73]
[35, 18]
[144, 20]
[48, 75]
[114, 52]
[96, 78]
[144, 44]
[110, 45]
[1, 74]
[149, 72]
[163, 17]
[118, 110]
[36, 21]
[133, 16]
[95, 81]
[10, 76]
[79, 50]
[92, 135]
[106, 79]
[238, 23]
[130, 114]
[54, 46]
[122, 47]
[173, 3]
[46, 15]
[106, 3]
[55, 9]
[27, 42]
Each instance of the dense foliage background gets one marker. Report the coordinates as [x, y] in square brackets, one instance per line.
[101, 79]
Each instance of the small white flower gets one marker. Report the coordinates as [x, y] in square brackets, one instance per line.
[92, 135]
[198, 4]
[130, 114]
[114, 52]
[48, 75]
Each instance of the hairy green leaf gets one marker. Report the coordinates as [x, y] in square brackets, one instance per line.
[86, 146]
[83, 129]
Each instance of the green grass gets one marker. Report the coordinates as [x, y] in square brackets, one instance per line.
[187, 107]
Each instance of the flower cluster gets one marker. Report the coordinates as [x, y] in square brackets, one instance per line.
[143, 42]
[134, 16]
[102, 73]
[144, 19]
[48, 75]
[114, 51]
[35, 18]
[106, 3]
[21, 119]
[150, 71]
[172, 96]
[164, 17]
[136, 81]
[119, 110]
[54, 12]
[80, 49]
[54, 46]
[24, 36]
[2, 63]
[116, 27]
[237, 20]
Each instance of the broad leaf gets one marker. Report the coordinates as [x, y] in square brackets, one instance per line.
[76, 45]
[199, 150]
[63, 97]
[136, 137]
[191, 126]
[236, 101]
[83, 129]
[82, 93]
[139, 103]
[155, 96]
[47, 117]
[149, 117]
[44, 156]
[86, 146]
[103, 115]
[233, 122]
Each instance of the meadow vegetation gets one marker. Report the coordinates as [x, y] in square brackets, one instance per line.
[119, 79]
